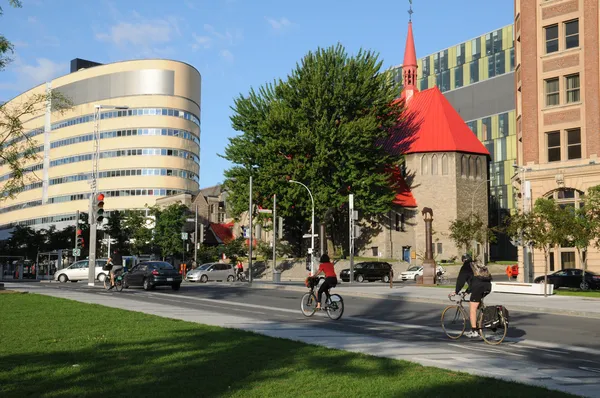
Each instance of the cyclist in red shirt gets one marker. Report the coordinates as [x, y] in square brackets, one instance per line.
[326, 268]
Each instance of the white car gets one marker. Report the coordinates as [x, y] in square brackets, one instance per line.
[211, 272]
[416, 270]
[78, 271]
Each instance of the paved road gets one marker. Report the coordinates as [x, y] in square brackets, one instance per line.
[557, 351]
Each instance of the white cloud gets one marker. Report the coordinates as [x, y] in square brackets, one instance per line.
[226, 55]
[31, 75]
[278, 24]
[201, 41]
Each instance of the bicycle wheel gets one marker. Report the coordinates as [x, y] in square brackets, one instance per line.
[495, 334]
[107, 283]
[308, 304]
[335, 307]
[119, 285]
[454, 321]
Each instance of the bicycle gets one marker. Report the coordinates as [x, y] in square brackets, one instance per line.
[119, 281]
[240, 277]
[442, 279]
[493, 320]
[334, 305]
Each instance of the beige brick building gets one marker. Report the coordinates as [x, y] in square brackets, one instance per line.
[557, 80]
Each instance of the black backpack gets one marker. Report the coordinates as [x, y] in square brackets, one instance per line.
[493, 315]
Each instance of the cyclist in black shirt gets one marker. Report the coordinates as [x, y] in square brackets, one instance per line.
[117, 262]
[476, 287]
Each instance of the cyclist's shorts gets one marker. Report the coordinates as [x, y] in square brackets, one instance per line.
[479, 291]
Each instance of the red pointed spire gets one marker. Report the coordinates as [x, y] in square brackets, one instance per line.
[409, 66]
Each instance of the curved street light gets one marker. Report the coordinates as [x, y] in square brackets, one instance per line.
[312, 232]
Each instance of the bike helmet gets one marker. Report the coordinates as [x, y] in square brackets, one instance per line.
[466, 257]
[324, 258]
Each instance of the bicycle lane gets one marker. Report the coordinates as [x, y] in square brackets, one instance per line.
[418, 343]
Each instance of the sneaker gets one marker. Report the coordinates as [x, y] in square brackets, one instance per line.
[472, 334]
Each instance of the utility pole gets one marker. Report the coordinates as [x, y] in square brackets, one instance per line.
[274, 235]
[351, 235]
[76, 235]
[196, 237]
[250, 237]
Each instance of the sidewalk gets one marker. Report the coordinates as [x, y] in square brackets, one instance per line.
[557, 305]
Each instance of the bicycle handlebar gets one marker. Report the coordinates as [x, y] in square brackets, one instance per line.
[461, 294]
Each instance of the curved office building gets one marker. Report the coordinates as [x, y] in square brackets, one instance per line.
[148, 150]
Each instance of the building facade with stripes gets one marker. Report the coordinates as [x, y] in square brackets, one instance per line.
[149, 146]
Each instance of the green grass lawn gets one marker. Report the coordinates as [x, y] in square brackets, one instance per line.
[53, 347]
[589, 293]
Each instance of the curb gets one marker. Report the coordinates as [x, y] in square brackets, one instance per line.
[543, 310]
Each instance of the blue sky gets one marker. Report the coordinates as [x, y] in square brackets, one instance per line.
[235, 44]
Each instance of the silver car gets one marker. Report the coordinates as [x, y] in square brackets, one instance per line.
[211, 272]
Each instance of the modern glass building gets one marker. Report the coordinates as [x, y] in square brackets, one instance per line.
[477, 77]
[149, 149]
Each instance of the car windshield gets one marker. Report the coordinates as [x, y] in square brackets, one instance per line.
[161, 266]
[359, 266]
[414, 268]
[204, 267]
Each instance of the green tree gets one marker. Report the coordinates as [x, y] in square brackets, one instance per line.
[325, 126]
[136, 225]
[6, 47]
[543, 228]
[236, 249]
[467, 230]
[116, 230]
[168, 226]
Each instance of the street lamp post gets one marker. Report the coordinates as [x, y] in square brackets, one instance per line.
[312, 232]
[94, 186]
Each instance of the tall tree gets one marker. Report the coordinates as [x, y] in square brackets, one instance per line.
[6, 47]
[115, 229]
[139, 232]
[470, 229]
[168, 226]
[324, 126]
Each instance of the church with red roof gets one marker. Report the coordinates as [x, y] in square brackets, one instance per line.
[445, 168]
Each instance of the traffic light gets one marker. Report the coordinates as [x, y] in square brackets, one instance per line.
[80, 243]
[98, 208]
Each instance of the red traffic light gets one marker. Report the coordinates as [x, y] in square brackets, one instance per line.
[100, 197]
[79, 232]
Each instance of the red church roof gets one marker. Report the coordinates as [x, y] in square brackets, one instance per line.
[437, 127]
[222, 232]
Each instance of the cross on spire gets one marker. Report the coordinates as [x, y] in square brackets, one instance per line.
[410, 11]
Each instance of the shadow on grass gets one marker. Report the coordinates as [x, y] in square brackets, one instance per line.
[61, 348]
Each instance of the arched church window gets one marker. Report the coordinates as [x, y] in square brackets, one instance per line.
[471, 167]
[444, 164]
[434, 165]
[464, 165]
[478, 168]
[424, 164]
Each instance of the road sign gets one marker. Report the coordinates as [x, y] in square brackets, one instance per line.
[306, 236]
[76, 252]
[265, 211]
[190, 219]
[184, 235]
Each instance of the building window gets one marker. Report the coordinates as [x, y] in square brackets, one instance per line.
[464, 165]
[375, 251]
[491, 66]
[551, 33]
[400, 222]
[572, 34]
[445, 81]
[474, 71]
[503, 124]
[458, 77]
[439, 248]
[444, 164]
[553, 146]
[512, 59]
[574, 144]
[424, 84]
[460, 54]
[476, 48]
[489, 45]
[478, 169]
[572, 84]
[471, 167]
[434, 165]
[424, 164]
[444, 60]
[486, 128]
[497, 37]
[552, 92]
[426, 66]
[500, 63]
[436, 63]
[397, 222]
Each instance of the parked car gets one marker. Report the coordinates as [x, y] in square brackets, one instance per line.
[150, 274]
[368, 271]
[572, 278]
[78, 271]
[416, 270]
[212, 272]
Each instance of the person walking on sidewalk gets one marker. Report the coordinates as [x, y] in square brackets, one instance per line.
[326, 267]
[478, 279]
